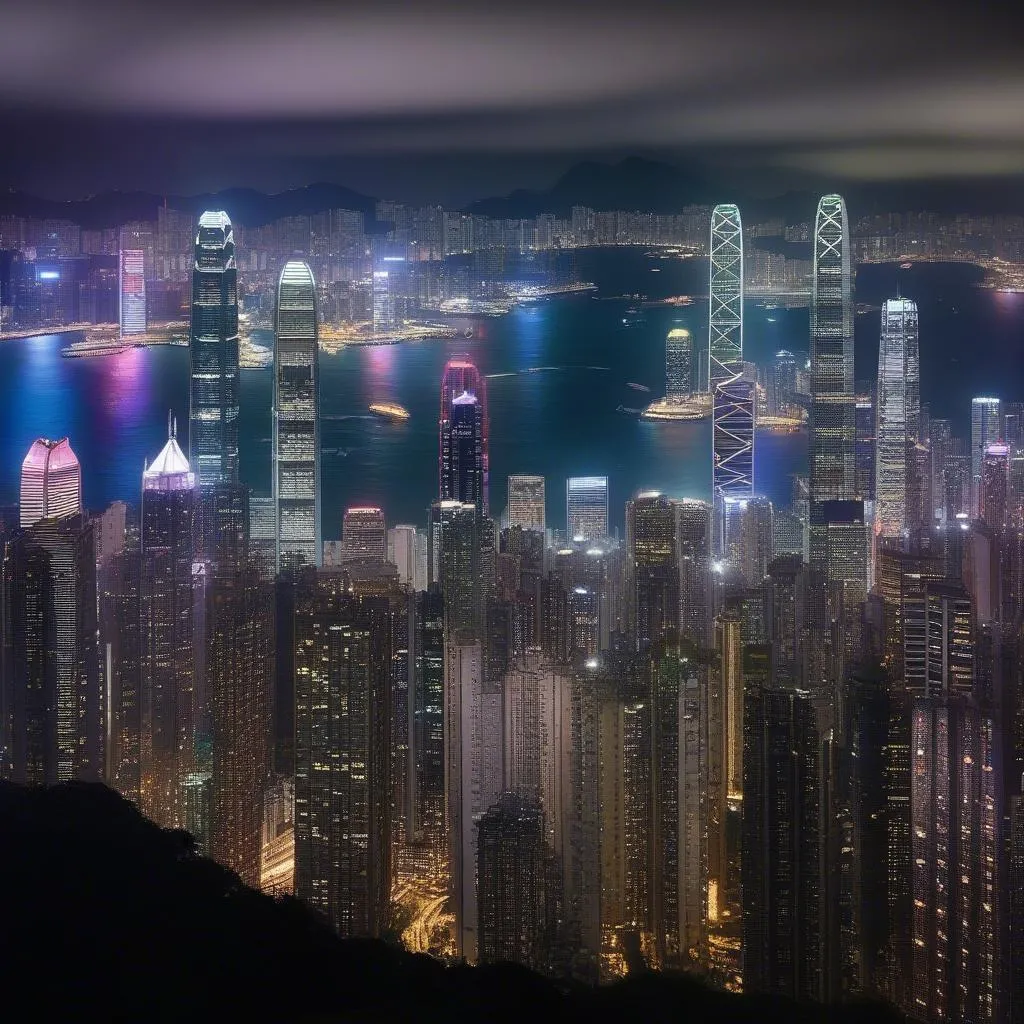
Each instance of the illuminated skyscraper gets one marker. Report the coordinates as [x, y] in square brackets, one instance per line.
[169, 710]
[132, 291]
[832, 419]
[693, 525]
[51, 666]
[213, 354]
[678, 365]
[463, 431]
[586, 507]
[732, 389]
[342, 755]
[986, 429]
[993, 501]
[297, 420]
[526, 502]
[51, 482]
[652, 568]
[898, 413]
[363, 534]
[462, 451]
[516, 895]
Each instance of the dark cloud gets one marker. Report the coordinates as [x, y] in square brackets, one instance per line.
[184, 93]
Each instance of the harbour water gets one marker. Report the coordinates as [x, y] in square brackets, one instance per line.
[557, 371]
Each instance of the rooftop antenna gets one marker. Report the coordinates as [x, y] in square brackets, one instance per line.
[169, 424]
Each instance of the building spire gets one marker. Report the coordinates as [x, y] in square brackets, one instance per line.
[170, 425]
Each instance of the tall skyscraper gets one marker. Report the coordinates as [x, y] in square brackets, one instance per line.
[462, 445]
[586, 507]
[363, 534]
[342, 754]
[517, 898]
[526, 502]
[732, 389]
[169, 712]
[463, 432]
[403, 543]
[898, 413]
[132, 291]
[986, 429]
[213, 354]
[56, 707]
[678, 365]
[652, 568]
[993, 496]
[297, 420]
[51, 482]
[832, 419]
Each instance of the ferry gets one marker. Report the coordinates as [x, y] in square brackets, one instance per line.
[389, 410]
[95, 347]
[906, 266]
[637, 387]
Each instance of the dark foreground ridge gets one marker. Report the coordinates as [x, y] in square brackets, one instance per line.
[107, 917]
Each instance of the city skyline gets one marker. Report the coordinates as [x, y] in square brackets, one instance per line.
[717, 741]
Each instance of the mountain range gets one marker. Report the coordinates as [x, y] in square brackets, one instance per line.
[631, 184]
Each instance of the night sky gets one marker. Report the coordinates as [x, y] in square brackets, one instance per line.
[431, 101]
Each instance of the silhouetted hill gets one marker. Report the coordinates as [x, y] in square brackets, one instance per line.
[632, 184]
[245, 205]
[107, 917]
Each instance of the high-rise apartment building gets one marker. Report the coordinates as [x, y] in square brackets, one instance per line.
[652, 568]
[168, 702]
[898, 413]
[986, 429]
[213, 353]
[297, 420]
[463, 432]
[342, 754]
[586, 508]
[53, 702]
[832, 411]
[51, 482]
[526, 502]
[132, 291]
[518, 894]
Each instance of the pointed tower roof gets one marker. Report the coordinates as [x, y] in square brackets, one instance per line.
[170, 470]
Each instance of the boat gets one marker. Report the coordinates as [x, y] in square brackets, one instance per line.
[637, 387]
[389, 410]
[95, 347]
[906, 266]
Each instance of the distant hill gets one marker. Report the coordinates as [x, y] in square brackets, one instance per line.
[632, 184]
[247, 206]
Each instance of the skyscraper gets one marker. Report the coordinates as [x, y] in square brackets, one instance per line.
[678, 365]
[462, 446]
[213, 353]
[51, 482]
[516, 897]
[132, 291]
[342, 755]
[56, 709]
[363, 534]
[993, 496]
[898, 413]
[526, 502]
[732, 390]
[986, 429]
[586, 507]
[169, 710]
[652, 568]
[467, 443]
[832, 419]
[297, 420]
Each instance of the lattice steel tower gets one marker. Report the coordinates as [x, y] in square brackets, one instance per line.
[731, 388]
